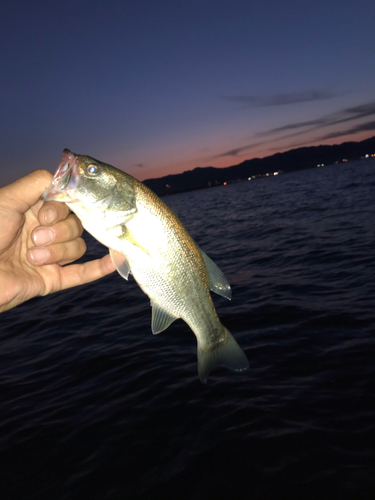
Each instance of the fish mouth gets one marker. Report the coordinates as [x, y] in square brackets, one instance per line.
[65, 181]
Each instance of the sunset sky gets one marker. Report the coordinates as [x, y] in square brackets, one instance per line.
[157, 87]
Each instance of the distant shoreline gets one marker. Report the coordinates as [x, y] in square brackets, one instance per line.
[289, 161]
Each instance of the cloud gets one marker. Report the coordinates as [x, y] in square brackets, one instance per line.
[139, 165]
[342, 116]
[252, 101]
[307, 127]
[354, 113]
[362, 110]
[292, 126]
[363, 127]
[236, 151]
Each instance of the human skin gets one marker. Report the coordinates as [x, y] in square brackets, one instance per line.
[37, 240]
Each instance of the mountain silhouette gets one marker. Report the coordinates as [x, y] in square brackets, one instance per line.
[292, 160]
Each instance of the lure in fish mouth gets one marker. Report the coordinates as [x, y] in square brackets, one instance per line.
[147, 239]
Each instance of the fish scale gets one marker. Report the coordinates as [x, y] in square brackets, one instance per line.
[147, 239]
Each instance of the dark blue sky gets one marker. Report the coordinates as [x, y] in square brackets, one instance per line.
[157, 87]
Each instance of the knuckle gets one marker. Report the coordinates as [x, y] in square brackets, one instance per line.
[61, 209]
[41, 175]
[68, 251]
[69, 229]
[81, 247]
[76, 224]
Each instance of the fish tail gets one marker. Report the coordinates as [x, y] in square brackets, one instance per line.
[226, 353]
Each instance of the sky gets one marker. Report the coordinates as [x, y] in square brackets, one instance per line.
[156, 87]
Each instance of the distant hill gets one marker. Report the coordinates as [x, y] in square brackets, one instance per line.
[295, 159]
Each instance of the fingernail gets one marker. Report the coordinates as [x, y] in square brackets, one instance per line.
[50, 215]
[39, 255]
[43, 236]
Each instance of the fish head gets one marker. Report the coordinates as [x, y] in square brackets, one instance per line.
[80, 179]
[92, 188]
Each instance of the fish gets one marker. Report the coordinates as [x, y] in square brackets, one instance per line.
[147, 240]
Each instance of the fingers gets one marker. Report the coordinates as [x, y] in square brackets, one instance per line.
[80, 274]
[25, 192]
[59, 253]
[52, 212]
[65, 230]
[57, 244]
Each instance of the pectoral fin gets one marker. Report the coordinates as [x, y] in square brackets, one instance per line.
[160, 319]
[120, 262]
[129, 237]
[218, 282]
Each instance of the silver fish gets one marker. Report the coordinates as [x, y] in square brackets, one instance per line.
[147, 239]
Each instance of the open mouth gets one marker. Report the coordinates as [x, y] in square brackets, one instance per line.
[65, 176]
[65, 180]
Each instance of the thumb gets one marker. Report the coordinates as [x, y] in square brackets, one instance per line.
[25, 192]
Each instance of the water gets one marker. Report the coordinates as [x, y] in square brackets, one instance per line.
[94, 406]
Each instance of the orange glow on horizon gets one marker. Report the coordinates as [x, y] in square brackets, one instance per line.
[268, 149]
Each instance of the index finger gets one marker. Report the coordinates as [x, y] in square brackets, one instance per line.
[22, 194]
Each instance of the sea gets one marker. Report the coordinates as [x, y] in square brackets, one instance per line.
[93, 406]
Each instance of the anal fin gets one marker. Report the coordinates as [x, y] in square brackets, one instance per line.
[160, 319]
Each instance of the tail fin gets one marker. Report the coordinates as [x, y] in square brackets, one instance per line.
[227, 353]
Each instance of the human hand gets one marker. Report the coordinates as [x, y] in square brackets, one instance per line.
[36, 240]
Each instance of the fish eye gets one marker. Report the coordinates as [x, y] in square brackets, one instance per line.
[92, 169]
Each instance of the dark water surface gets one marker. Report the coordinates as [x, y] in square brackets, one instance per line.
[93, 406]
